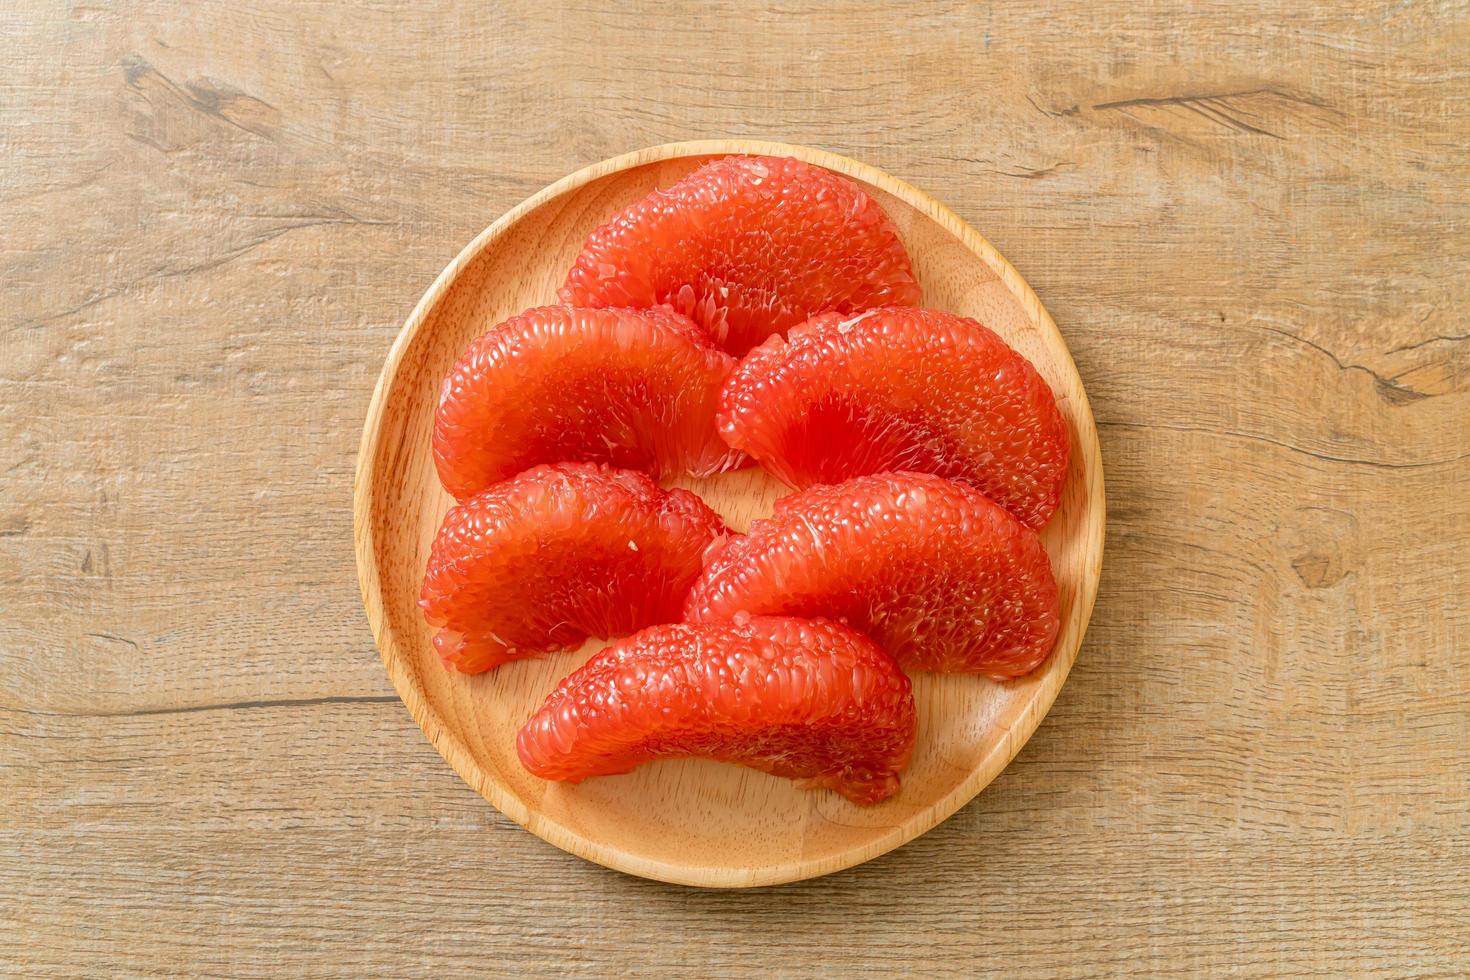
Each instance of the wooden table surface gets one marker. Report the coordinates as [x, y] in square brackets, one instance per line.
[1251, 221]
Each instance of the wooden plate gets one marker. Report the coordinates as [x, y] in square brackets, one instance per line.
[695, 822]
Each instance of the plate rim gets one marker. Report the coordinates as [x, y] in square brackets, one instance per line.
[452, 749]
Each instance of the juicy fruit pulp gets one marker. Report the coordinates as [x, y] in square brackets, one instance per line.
[942, 577]
[804, 699]
[559, 553]
[747, 247]
[632, 388]
[900, 389]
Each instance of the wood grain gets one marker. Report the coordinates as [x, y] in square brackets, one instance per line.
[217, 216]
[694, 822]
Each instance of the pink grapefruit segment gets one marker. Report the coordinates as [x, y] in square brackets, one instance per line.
[900, 389]
[804, 699]
[747, 247]
[636, 389]
[557, 554]
[940, 576]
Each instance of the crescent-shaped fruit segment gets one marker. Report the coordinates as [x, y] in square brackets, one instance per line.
[557, 554]
[635, 389]
[747, 247]
[805, 699]
[900, 389]
[939, 575]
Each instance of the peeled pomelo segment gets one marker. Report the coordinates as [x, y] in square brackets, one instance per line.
[804, 699]
[557, 554]
[940, 576]
[747, 247]
[900, 389]
[636, 389]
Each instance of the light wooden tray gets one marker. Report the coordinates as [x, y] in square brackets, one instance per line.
[695, 822]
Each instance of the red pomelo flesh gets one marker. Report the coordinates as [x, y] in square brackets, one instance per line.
[557, 554]
[747, 247]
[635, 389]
[804, 699]
[900, 389]
[940, 576]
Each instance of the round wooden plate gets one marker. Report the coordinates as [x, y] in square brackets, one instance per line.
[695, 822]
